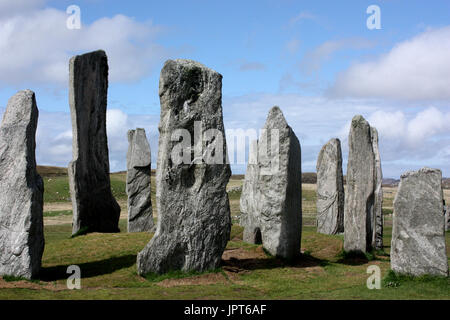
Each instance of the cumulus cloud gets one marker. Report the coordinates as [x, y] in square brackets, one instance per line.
[415, 69]
[35, 46]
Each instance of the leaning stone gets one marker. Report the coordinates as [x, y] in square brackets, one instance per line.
[140, 214]
[330, 189]
[377, 241]
[275, 208]
[21, 196]
[418, 238]
[359, 200]
[194, 221]
[94, 207]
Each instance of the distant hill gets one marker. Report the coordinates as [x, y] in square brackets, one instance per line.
[307, 177]
[48, 171]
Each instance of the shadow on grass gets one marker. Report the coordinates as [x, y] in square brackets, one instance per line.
[354, 258]
[89, 269]
[271, 262]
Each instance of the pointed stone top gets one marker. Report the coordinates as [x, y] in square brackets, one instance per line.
[359, 121]
[275, 118]
[21, 107]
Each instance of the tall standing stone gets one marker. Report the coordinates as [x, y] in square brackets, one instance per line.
[418, 238]
[330, 189]
[194, 219]
[359, 200]
[21, 190]
[377, 240]
[272, 191]
[140, 214]
[94, 207]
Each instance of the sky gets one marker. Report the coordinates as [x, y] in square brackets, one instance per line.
[317, 60]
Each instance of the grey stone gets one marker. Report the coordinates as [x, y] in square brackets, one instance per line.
[140, 214]
[272, 197]
[248, 201]
[194, 221]
[94, 207]
[377, 240]
[418, 238]
[330, 189]
[447, 218]
[359, 200]
[21, 190]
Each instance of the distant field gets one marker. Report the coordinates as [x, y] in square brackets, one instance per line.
[108, 261]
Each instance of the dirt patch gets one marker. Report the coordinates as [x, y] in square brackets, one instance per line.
[57, 206]
[210, 278]
[23, 284]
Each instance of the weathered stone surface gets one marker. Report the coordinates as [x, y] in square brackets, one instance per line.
[447, 218]
[248, 201]
[330, 189]
[94, 207]
[377, 240]
[194, 220]
[271, 201]
[418, 238]
[359, 200]
[21, 190]
[140, 214]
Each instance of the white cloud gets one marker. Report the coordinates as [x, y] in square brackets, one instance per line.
[304, 15]
[416, 69]
[14, 7]
[314, 59]
[35, 46]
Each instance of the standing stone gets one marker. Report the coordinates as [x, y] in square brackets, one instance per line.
[21, 190]
[248, 202]
[447, 218]
[273, 190]
[94, 207]
[330, 189]
[418, 238]
[140, 214]
[359, 200]
[194, 221]
[377, 240]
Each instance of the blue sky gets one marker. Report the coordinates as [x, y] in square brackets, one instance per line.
[317, 60]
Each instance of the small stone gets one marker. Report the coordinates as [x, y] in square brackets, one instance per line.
[330, 189]
[21, 196]
[418, 238]
[140, 214]
[94, 206]
[194, 220]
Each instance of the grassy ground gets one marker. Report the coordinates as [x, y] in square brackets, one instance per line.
[108, 263]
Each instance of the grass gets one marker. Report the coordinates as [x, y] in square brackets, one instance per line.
[57, 213]
[108, 264]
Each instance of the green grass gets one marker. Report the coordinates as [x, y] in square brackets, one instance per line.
[108, 271]
[56, 188]
[108, 265]
[57, 213]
